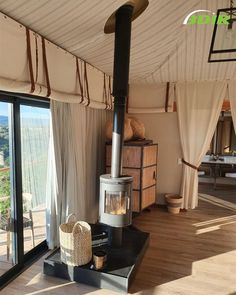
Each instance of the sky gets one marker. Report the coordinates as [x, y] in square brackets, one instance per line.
[3, 109]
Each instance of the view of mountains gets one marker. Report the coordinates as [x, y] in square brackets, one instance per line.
[27, 120]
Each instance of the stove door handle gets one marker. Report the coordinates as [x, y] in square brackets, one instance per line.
[127, 203]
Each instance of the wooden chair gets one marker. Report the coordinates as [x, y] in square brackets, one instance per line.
[7, 224]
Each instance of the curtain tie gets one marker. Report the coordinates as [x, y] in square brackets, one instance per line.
[190, 165]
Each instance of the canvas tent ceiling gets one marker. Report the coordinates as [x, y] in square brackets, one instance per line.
[163, 49]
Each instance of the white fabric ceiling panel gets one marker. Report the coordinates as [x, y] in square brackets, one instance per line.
[162, 48]
[189, 59]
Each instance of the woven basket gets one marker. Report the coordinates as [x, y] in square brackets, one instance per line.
[75, 243]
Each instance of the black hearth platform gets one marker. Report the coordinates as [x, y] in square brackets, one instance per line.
[119, 270]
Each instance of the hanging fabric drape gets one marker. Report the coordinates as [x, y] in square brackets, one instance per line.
[232, 98]
[198, 106]
[41, 68]
[77, 153]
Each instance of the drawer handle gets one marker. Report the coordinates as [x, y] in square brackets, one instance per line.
[154, 175]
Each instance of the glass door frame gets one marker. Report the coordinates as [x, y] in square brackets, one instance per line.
[22, 260]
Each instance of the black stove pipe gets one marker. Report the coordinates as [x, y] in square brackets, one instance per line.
[120, 83]
[120, 92]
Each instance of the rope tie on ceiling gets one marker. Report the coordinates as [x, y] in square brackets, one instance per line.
[80, 80]
[107, 96]
[167, 96]
[45, 66]
[29, 56]
[109, 91]
[105, 92]
[86, 83]
[36, 58]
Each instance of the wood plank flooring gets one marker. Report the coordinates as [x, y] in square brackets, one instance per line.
[224, 192]
[190, 253]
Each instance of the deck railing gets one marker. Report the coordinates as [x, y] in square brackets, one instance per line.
[4, 169]
[4, 190]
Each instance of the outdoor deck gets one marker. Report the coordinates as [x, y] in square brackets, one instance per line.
[39, 225]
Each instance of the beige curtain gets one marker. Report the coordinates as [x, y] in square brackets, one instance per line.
[77, 161]
[198, 106]
[232, 97]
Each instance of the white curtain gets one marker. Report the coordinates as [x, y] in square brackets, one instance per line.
[35, 135]
[198, 106]
[232, 98]
[77, 160]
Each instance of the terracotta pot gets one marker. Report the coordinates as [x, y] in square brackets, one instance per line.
[174, 203]
[138, 128]
[128, 132]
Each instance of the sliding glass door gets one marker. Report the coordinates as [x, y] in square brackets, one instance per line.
[7, 199]
[34, 159]
[24, 144]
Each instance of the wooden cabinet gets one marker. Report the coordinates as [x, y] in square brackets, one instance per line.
[139, 161]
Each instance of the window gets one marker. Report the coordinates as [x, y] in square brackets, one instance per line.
[24, 143]
[7, 214]
[34, 160]
[224, 139]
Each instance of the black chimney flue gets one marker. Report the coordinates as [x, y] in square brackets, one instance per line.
[115, 206]
[122, 51]
[120, 83]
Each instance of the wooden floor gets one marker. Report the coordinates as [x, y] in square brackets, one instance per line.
[191, 253]
[224, 192]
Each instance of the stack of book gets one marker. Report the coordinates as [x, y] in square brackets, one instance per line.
[99, 236]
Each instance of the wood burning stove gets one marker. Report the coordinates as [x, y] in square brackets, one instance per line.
[115, 200]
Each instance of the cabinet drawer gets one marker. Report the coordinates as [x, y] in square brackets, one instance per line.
[149, 176]
[131, 156]
[135, 173]
[149, 155]
[148, 196]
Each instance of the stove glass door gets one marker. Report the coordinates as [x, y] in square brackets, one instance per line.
[116, 203]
